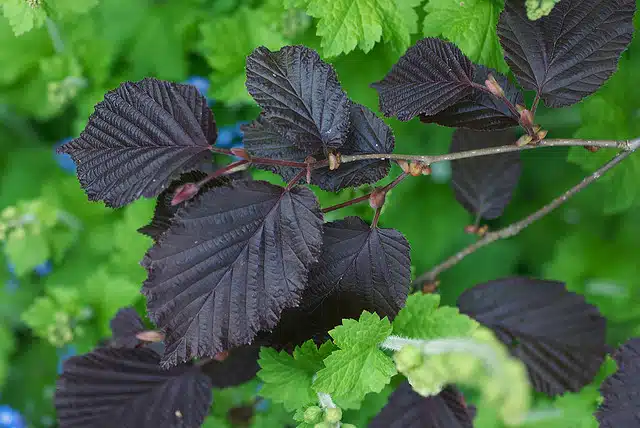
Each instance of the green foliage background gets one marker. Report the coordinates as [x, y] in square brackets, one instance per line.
[70, 52]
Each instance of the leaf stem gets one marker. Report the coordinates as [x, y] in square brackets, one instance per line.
[299, 176]
[534, 106]
[517, 227]
[347, 203]
[222, 171]
[430, 159]
[366, 197]
[376, 218]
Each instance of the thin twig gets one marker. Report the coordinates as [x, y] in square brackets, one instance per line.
[429, 159]
[515, 228]
[535, 104]
[347, 203]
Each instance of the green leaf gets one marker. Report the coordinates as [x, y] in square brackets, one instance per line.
[422, 318]
[359, 366]
[345, 24]
[242, 32]
[63, 8]
[471, 25]
[612, 114]
[20, 55]
[26, 250]
[7, 346]
[409, 13]
[287, 378]
[107, 292]
[22, 16]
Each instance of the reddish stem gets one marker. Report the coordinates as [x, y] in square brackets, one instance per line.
[347, 203]
[222, 171]
[376, 217]
[507, 102]
[299, 176]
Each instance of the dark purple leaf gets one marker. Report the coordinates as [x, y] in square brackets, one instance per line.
[367, 134]
[139, 138]
[373, 264]
[127, 388]
[240, 366]
[229, 264]
[621, 390]
[484, 185]
[431, 76]
[479, 110]
[164, 211]
[556, 334]
[124, 327]
[570, 53]
[408, 409]
[300, 94]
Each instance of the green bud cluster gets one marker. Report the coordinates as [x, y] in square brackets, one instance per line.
[327, 418]
[485, 365]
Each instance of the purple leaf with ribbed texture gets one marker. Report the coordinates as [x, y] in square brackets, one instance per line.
[124, 327]
[554, 332]
[431, 76]
[621, 390]
[480, 110]
[371, 263]
[164, 211]
[228, 265]
[301, 94]
[368, 134]
[570, 53]
[141, 136]
[408, 409]
[240, 366]
[127, 388]
[484, 185]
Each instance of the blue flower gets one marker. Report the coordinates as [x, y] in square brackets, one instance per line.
[64, 160]
[10, 418]
[44, 269]
[65, 353]
[226, 137]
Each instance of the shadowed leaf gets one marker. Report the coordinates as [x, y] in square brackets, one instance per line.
[240, 366]
[367, 134]
[556, 334]
[431, 76]
[164, 211]
[124, 327]
[408, 409]
[481, 111]
[372, 263]
[127, 388]
[139, 138]
[484, 185]
[300, 94]
[621, 390]
[229, 264]
[570, 53]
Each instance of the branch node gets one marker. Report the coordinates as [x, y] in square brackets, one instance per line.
[334, 160]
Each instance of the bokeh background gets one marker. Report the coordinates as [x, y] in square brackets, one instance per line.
[67, 264]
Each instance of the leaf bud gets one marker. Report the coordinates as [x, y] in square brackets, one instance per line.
[470, 229]
[524, 140]
[150, 336]
[415, 169]
[592, 149]
[333, 415]
[408, 358]
[312, 415]
[492, 84]
[482, 230]
[334, 161]
[184, 193]
[526, 118]
[377, 198]
[541, 134]
[404, 165]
